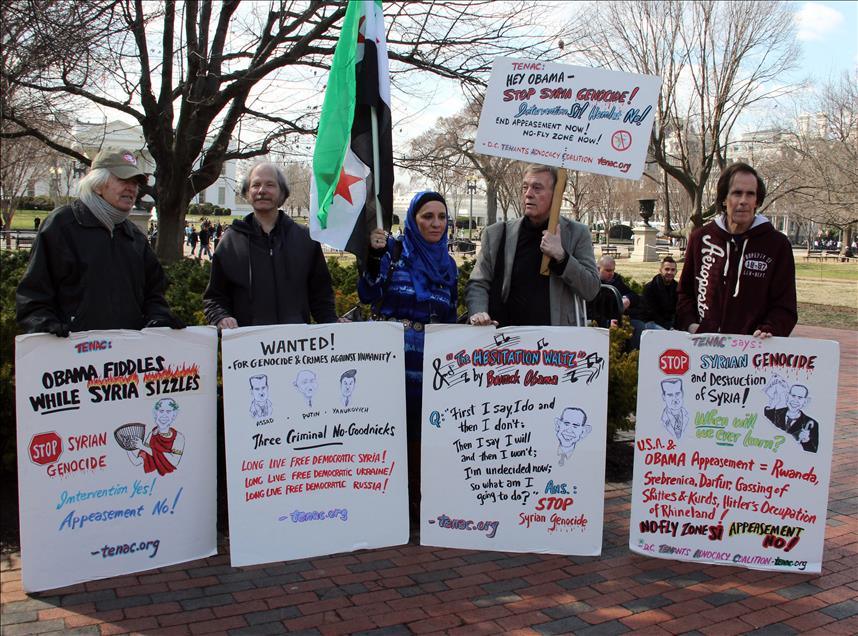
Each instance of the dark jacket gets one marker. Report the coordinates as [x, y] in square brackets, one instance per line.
[82, 276]
[658, 302]
[269, 279]
[603, 308]
[738, 284]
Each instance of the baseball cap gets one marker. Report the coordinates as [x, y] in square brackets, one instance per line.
[122, 164]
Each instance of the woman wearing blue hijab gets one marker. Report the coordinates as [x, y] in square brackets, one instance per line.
[414, 283]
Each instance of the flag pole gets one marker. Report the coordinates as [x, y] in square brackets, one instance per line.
[376, 172]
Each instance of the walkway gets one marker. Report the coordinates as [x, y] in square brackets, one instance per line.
[419, 590]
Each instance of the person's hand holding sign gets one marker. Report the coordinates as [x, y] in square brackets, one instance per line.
[551, 245]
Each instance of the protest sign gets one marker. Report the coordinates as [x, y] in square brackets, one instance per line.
[117, 447]
[733, 449]
[315, 439]
[573, 117]
[513, 448]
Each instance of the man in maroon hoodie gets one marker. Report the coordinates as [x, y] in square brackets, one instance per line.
[739, 273]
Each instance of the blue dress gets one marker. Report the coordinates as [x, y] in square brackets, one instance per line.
[400, 302]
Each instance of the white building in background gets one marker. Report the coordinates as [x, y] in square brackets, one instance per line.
[90, 138]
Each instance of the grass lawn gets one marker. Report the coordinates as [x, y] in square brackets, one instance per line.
[827, 292]
[23, 219]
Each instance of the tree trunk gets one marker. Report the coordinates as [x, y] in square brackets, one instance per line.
[846, 239]
[491, 203]
[667, 228]
[172, 201]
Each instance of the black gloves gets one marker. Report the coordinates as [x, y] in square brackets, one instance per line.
[59, 329]
[171, 321]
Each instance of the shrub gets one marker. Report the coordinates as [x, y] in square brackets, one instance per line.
[12, 264]
[622, 380]
[465, 270]
[41, 202]
[187, 280]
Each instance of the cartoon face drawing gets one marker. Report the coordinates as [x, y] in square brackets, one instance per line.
[259, 388]
[571, 427]
[347, 385]
[797, 398]
[260, 405]
[307, 384]
[165, 413]
[671, 393]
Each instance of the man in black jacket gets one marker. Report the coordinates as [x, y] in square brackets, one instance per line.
[659, 297]
[91, 267]
[266, 269]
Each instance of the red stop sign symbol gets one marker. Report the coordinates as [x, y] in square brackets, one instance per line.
[673, 362]
[45, 448]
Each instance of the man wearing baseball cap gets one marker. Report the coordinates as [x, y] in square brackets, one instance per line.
[91, 267]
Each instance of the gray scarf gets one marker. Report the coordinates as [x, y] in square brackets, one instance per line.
[106, 214]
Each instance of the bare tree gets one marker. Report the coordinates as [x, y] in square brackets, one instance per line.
[189, 73]
[813, 164]
[715, 59]
[23, 162]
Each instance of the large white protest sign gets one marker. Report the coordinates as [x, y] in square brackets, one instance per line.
[733, 458]
[587, 119]
[315, 439]
[117, 443]
[514, 426]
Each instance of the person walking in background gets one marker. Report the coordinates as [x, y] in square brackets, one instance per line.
[194, 237]
[204, 238]
[413, 281]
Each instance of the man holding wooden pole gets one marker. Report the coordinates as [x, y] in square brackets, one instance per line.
[538, 269]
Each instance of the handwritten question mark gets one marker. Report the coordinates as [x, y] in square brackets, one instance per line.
[779, 439]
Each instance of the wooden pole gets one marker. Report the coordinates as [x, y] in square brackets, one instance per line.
[554, 215]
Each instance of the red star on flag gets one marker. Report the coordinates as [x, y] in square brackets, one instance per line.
[344, 185]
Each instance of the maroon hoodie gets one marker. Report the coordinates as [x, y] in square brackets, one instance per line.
[738, 283]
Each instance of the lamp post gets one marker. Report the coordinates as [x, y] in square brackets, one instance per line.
[472, 187]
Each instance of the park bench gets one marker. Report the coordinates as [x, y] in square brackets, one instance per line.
[18, 238]
[610, 250]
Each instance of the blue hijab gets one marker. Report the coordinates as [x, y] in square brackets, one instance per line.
[429, 263]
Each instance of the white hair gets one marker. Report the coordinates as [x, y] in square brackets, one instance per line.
[95, 179]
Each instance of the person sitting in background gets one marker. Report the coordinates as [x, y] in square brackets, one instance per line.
[91, 267]
[602, 308]
[658, 302]
[413, 281]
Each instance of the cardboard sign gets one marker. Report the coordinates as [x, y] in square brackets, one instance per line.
[572, 117]
[117, 448]
[315, 439]
[513, 449]
[733, 461]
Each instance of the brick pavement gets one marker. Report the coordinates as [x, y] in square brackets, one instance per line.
[422, 590]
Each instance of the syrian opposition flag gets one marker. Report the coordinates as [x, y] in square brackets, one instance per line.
[342, 191]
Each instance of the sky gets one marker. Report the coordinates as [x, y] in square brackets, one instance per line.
[827, 32]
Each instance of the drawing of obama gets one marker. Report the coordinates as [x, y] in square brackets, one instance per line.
[162, 451]
[571, 427]
[260, 405]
